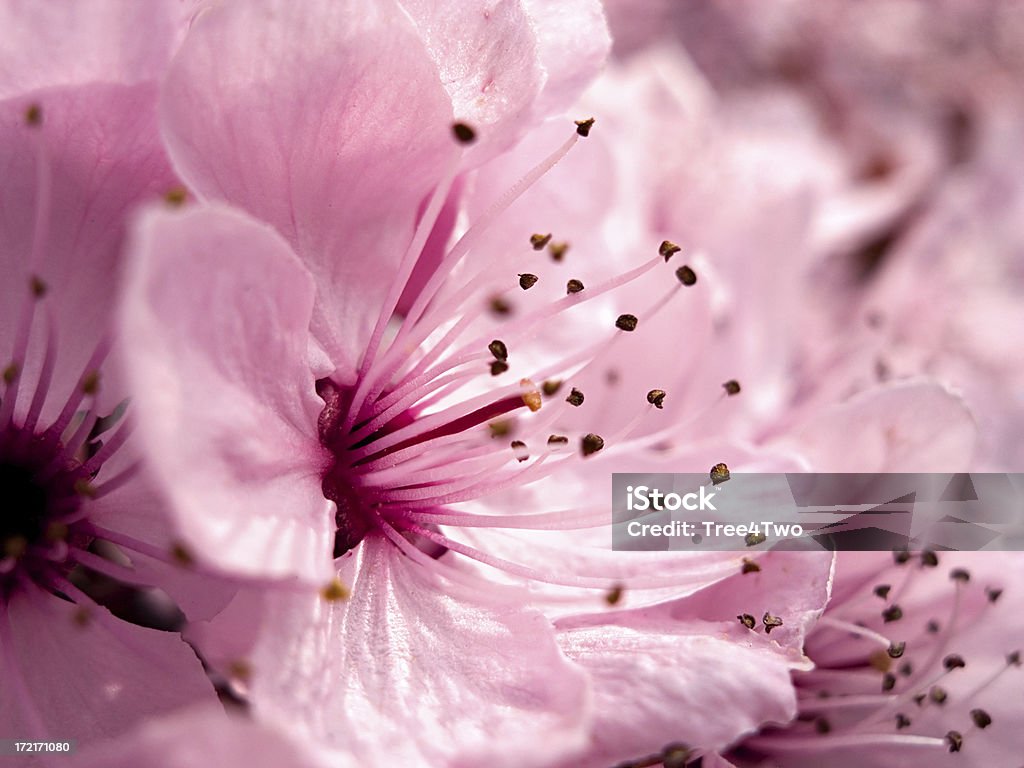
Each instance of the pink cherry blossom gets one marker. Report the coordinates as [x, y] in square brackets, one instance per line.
[79, 150]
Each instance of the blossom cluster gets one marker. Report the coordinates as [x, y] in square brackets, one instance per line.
[324, 326]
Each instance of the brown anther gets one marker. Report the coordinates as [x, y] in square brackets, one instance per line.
[668, 249]
[15, 546]
[938, 694]
[558, 250]
[573, 286]
[538, 241]
[656, 397]
[498, 349]
[591, 444]
[686, 276]
[932, 626]
[575, 398]
[240, 670]
[753, 539]
[558, 440]
[888, 682]
[993, 594]
[822, 726]
[626, 323]
[11, 373]
[675, 756]
[527, 281]
[719, 473]
[33, 115]
[500, 428]
[38, 286]
[981, 718]
[731, 387]
[464, 134]
[91, 383]
[892, 613]
[901, 556]
[81, 617]
[551, 387]
[749, 566]
[334, 591]
[520, 450]
[498, 367]
[955, 740]
[176, 196]
[954, 661]
[583, 126]
[929, 559]
[182, 555]
[961, 575]
[896, 649]
[614, 595]
[770, 622]
[882, 590]
[747, 620]
[902, 721]
[500, 307]
[1013, 659]
[56, 532]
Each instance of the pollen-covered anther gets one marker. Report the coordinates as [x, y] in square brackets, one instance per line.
[955, 741]
[892, 613]
[500, 428]
[57, 531]
[84, 488]
[498, 349]
[656, 397]
[538, 241]
[954, 661]
[10, 372]
[575, 398]
[551, 387]
[686, 276]
[33, 115]
[498, 367]
[558, 440]
[583, 126]
[626, 323]
[614, 595]
[719, 473]
[558, 250]
[38, 286]
[753, 539]
[749, 566]
[334, 591]
[896, 650]
[731, 387]
[668, 249]
[770, 622]
[747, 620]
[938, 694]
[573, 286]
[531, 397]
[464, 133]
[527, 281]
[591, 444]
[519, 450]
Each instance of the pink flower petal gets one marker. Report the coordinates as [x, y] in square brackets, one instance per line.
[412, 670]
[202, 736]
[88, 675]
[215, 325]
[326, 120]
